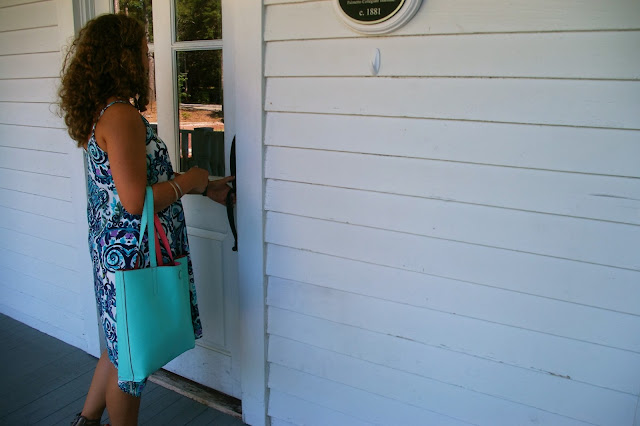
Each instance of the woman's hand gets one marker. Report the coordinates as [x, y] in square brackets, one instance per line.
[199, 179]
[217, 190]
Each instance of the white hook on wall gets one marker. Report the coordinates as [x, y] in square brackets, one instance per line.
[374, 65]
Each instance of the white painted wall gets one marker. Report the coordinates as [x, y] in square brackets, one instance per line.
[456, 240]
[45, 274]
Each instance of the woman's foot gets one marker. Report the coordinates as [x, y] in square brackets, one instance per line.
[83, 421]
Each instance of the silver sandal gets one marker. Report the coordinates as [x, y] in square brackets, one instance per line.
[81, 420]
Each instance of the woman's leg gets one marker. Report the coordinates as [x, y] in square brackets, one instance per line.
[96, 400]
[123, 408]
[104, 391]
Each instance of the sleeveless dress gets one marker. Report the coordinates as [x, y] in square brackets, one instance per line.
[114, 234]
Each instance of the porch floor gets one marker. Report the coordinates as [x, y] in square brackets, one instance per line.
[44, 382]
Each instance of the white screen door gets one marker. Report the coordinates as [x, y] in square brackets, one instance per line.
[193, 109]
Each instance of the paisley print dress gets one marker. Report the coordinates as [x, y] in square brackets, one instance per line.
[114, 234]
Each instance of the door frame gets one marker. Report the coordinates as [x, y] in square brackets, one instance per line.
[248, 47]
[246, 32]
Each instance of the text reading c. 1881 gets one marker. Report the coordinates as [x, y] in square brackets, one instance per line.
[370, 11]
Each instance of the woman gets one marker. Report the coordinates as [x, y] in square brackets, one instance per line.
[105, 68]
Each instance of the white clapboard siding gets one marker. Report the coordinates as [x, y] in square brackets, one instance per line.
[516, 347]
[560, 236]
[63, 319]
[538, 275]
[45, 291]
[367, 407]
[36, 138]
[44, 185]
[59, 231]
[272, 2]
[36, 40]
[583, 150]
[592, 103]
[33, 15]
[8, 3]
[42, 274]
[611, 55]
[36, 204]
[596, 197]
[29, 90]
[31, 114]
[296, 411]
[34, 65]
[377, 409]
[43, 271]
[433, 364]
[598, 326]
[27, 160]
[317, 19]
[459, 233]
[277, 422]
[34, 317]
[62, 255]
[590, 404]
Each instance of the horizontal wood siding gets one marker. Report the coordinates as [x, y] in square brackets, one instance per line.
[435, 369]
[27, 15]
[475, 99]
[568, 149]
[316, 19]
[39, 280]
[596, 55]
[455, 240]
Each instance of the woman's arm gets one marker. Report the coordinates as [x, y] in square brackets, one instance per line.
[194, 181]
[217, 190]
[122, 134]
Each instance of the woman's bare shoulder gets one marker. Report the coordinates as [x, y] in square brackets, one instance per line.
[120, 122]
[123, 113]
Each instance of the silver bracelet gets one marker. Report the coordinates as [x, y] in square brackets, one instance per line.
[179, 188]
[174, 189]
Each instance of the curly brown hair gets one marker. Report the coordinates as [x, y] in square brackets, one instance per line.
[104, 60]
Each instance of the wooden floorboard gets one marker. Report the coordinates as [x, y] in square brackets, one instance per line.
[180, 412]
[45, 382]
[207, 417]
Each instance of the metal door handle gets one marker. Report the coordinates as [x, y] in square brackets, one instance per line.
[231, 193]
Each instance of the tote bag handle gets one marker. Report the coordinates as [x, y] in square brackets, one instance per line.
[147, 226]
[150, 224]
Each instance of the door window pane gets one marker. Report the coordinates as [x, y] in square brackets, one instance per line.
[198, 20]
[151, 114]
[141, 10]
[201, 118]
[138, 9]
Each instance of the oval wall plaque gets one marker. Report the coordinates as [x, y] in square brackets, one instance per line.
[370, 11]
[376, 16]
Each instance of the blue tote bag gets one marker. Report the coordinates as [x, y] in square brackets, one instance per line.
[153, 307]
